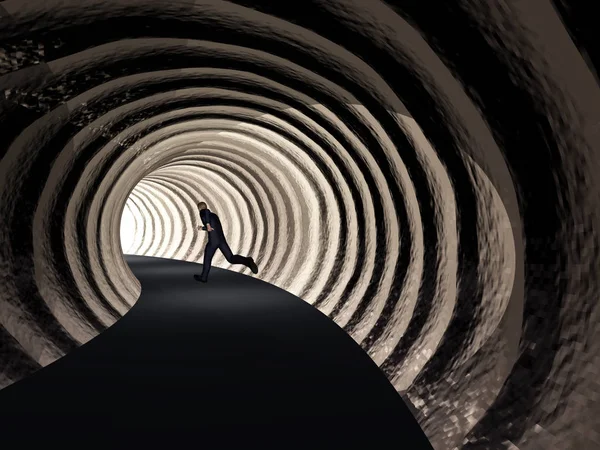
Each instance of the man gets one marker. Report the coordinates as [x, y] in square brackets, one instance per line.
[216, 240]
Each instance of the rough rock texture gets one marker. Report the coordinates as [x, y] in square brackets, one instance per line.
[420, 171]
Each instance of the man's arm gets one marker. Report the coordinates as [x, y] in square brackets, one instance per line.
[205, 218]
[212, 220]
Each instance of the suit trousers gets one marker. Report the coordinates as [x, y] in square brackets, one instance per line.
[220, 244]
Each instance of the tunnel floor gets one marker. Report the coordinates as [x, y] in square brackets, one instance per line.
[236, 363]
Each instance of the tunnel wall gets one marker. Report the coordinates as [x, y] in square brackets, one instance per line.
[423, 173]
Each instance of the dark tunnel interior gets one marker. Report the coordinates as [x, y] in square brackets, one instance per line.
[424, 173]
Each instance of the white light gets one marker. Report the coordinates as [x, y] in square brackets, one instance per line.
[127, 230]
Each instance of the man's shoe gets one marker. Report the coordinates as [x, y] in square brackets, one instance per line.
[199, 278]
[253, 266]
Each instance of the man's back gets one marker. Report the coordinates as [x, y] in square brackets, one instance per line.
[208, 217]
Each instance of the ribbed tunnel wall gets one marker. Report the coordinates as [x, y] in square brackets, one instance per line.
[421, 172]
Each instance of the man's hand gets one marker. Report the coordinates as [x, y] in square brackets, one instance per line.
[209, 228]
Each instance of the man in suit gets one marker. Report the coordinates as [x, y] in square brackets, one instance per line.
[216, 240]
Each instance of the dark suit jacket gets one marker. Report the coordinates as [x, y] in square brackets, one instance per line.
[209, 217]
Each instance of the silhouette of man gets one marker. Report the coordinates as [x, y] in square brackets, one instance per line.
[216, 240]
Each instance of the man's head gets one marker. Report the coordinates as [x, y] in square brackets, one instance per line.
[202, 205]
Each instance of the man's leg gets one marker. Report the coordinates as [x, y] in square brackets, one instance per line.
[209, 252]
[237, 259]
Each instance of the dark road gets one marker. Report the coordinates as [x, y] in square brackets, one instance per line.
[234, 363]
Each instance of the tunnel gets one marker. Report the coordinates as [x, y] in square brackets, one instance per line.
[422, 173]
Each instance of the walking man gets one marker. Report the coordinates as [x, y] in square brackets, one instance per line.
[216, 240]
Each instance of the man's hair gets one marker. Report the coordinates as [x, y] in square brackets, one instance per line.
[202, 205]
